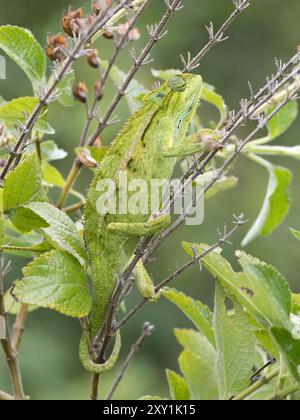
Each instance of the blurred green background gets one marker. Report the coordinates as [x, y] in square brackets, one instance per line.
[269, 28]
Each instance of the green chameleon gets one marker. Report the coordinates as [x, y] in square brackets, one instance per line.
[147, 148]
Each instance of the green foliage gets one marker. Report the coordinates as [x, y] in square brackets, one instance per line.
[281, 122]
[57, 281]
[20, 45]
[22, 186]
[252, 319]
[15, 114]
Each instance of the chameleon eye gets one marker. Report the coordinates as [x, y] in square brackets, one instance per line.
[177, 84]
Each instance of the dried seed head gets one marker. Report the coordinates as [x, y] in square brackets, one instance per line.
[93, 59]
[72, 21]
[101, 6]
[108, 34]
[86, 159]
[80, 92]
[99, 91]
[54, 49]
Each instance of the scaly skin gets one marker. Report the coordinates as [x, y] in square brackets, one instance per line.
[146, 148]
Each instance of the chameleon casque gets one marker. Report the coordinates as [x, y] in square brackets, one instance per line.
[146, 148]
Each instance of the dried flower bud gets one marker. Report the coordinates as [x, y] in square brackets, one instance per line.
[133, 35]
[93, 59]
[96, 8]
[108, 34]
[98, 91]
[80, 92]
[86, 159]
[101, 6]
[71, 22]
[54, 49]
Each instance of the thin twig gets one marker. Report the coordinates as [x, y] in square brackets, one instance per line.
[99, 23]
[11, 355]
[147, 331]
[215, 38]
[285, 393]
[240, 221]
[19, 327]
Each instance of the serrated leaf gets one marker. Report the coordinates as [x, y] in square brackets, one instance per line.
[199, 372]
[179, 389]
[56, 281]
[290, 348]
[261, 289]
[61, 231]
[236, 352]
[135, 89]
[196, 311]
[52, 176]
[65, 90]
[15, 113]
[22, 186]
[276, 205]
[282, 121]
[22, 47]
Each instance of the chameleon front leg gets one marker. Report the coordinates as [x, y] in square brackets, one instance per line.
[149, 228]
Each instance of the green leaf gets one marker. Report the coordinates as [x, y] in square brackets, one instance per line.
[16, 112]
[165, 74]
[12, 306]
[22, 186]
[179, 389]
[282, 121]
[199, 372]
[61, 231]
[198, 313]
[276, 205]
[290, 348]
[224, 184]
[272, 291]
[296, 303]
[236, 352]
[66, 97]
[56, 281]
[135, 88]
[50, 151]
[209, 95]
[261, 289]
[22, 47]
[52, 176]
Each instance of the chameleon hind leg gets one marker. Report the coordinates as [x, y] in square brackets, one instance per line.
[149, 228]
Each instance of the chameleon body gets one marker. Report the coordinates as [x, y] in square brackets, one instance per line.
[146, 148]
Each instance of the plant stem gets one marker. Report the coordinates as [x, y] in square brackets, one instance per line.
[255, 387]
[18, 328]
[285, 393]
[147, 331]
[11, 355]
[69, 183]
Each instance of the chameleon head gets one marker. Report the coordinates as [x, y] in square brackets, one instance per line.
[179, 97]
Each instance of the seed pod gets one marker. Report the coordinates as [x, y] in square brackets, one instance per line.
[93, 59]
[54, 49]
[72, 21]
[108, 34]
[80, 92]
[98, 91]
[86, 159]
